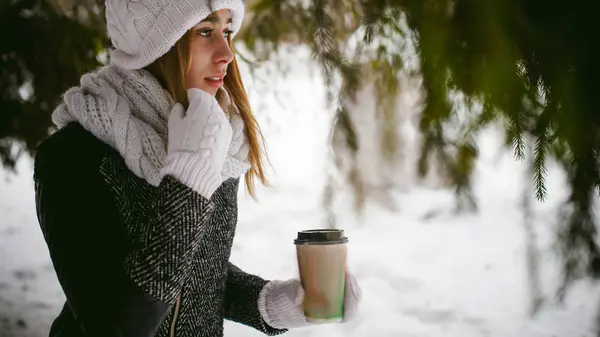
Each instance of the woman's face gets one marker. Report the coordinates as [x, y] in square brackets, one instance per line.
[210, 52]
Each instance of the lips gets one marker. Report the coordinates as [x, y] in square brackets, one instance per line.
[215, 80]
[216, 77]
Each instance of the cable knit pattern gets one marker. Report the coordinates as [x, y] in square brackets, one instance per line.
[143, 30]
[237, 160]
[199, 140]
[128, 110]
[192, 170]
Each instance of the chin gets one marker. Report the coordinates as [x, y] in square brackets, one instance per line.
[211, 91]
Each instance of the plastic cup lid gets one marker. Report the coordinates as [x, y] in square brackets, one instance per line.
[321, 236]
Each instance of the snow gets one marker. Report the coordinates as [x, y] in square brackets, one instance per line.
[424, 270]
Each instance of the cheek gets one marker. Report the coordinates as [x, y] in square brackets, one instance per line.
[199, 63]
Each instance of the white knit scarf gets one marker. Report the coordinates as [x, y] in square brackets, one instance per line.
[129, 110]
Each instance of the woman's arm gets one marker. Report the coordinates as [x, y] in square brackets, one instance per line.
[87, 241]
[241, 300]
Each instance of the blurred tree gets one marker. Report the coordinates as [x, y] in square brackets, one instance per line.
[530, 65]
[46, 46]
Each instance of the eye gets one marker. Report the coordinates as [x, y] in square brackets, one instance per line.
[228, 33]
[204, 32]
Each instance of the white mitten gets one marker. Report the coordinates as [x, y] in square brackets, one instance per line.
[237, 162]
[280, 303]
[239, 145]
[199, 139]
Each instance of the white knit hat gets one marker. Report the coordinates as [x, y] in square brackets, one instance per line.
[144, 30]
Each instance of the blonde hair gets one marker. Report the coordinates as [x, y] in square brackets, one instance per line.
[171, 69]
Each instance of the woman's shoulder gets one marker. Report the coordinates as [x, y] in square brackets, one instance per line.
[71, 150]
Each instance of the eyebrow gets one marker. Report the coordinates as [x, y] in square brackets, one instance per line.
[214, 18]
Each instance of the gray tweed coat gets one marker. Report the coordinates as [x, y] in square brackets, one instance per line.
[134, 259]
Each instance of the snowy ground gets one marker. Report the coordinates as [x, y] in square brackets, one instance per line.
[424, 271]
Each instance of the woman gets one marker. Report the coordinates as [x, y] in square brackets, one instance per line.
[136, 191]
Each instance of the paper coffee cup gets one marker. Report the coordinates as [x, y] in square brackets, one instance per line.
[322, 266]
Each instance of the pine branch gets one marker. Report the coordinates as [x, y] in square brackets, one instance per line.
[462, 172]
[426, 149]
[515, 137]
[387, 87]
[542, 144]
[597, 166]
[272, 23]
[322, 45]
[343, 130]
[577, 237]
[351, 80]
[374, 12]
[532, 252]
[346, 147]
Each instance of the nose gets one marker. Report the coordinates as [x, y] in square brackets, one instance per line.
[223, 54]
